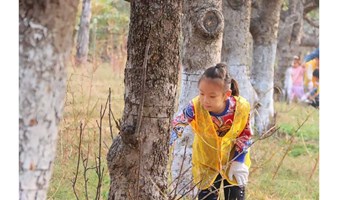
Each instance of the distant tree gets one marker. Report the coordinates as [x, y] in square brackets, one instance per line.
[138, 157]
[264, 28]
[83, 33]
[249, 48]
[45, 41]
[202, 44]
[291, 34]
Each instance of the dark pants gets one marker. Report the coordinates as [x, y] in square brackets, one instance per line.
[231, 192]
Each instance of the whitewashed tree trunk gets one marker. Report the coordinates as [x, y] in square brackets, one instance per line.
[138, 157]
[236, 49]
[291, 35]
[202, 43]
[264, 28]
[45, 40]
[289, 38]
[83, 33]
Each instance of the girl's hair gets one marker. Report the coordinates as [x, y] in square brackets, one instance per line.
[220, 72]
[315, 73]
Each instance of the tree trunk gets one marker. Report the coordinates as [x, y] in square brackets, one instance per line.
[138, 157]
[310, 41]
[289, 38]
[83, 33]
[263, 28]
[236, 45]
[45, 40]
[202, 43]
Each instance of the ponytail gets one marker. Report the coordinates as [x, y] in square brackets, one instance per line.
[234, 88]
[220, 72]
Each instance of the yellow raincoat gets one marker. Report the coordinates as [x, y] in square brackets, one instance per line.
[211, 153]
[309, 68]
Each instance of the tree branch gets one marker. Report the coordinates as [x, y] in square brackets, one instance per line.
[78, 162]
[312, 23]
[311, 5]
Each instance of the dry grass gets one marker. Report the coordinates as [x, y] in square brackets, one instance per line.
[87, 90]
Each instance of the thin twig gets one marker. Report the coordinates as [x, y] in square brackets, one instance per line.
[117, 122]
[78, 163]
[286, 152]
[265, 135]
[98, 163]
[181, 167]
[265, 162]
[157, 187]
[185, 186]
[85, 169]
[312, 23]
[185, 171]
[189, 190]
[314, 168]
[109, 119]
[290, 144]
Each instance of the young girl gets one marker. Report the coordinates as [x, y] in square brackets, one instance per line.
[297, 79]
[220, 119]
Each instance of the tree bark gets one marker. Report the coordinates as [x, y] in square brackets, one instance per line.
[138, 157]
[289, 38]
[83, 34]
[202, 43]
[236, 45]
[45, 40]
[309, 41]
[264, 28]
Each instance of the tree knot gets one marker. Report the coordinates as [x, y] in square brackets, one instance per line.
[210, 23]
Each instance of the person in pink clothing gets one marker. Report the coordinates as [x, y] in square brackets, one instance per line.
[297, 75]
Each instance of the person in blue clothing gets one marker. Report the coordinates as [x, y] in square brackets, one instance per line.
[311, 56]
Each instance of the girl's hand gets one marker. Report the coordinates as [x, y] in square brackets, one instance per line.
[240, 171]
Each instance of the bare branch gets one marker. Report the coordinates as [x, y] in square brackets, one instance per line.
[311, 5]
[181, 167]
[189, 190]
[180, 174]
[109, 119]
[312, 23]
[78, 163]
[99, 171]
[290, 143]
[314, 168]
[85, 169]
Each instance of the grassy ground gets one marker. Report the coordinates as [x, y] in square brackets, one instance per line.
[281, 169]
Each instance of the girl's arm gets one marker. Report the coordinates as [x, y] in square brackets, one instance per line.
[243, 141]
[182, 120]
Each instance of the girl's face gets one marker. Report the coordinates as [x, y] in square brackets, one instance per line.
[296, 63]
[213, 95]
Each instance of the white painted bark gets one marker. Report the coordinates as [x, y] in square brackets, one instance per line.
[264, 27]
[83, 33]
[262, 80]
[201, 49]
[182, 153]
[236, 49]
[44, 43]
